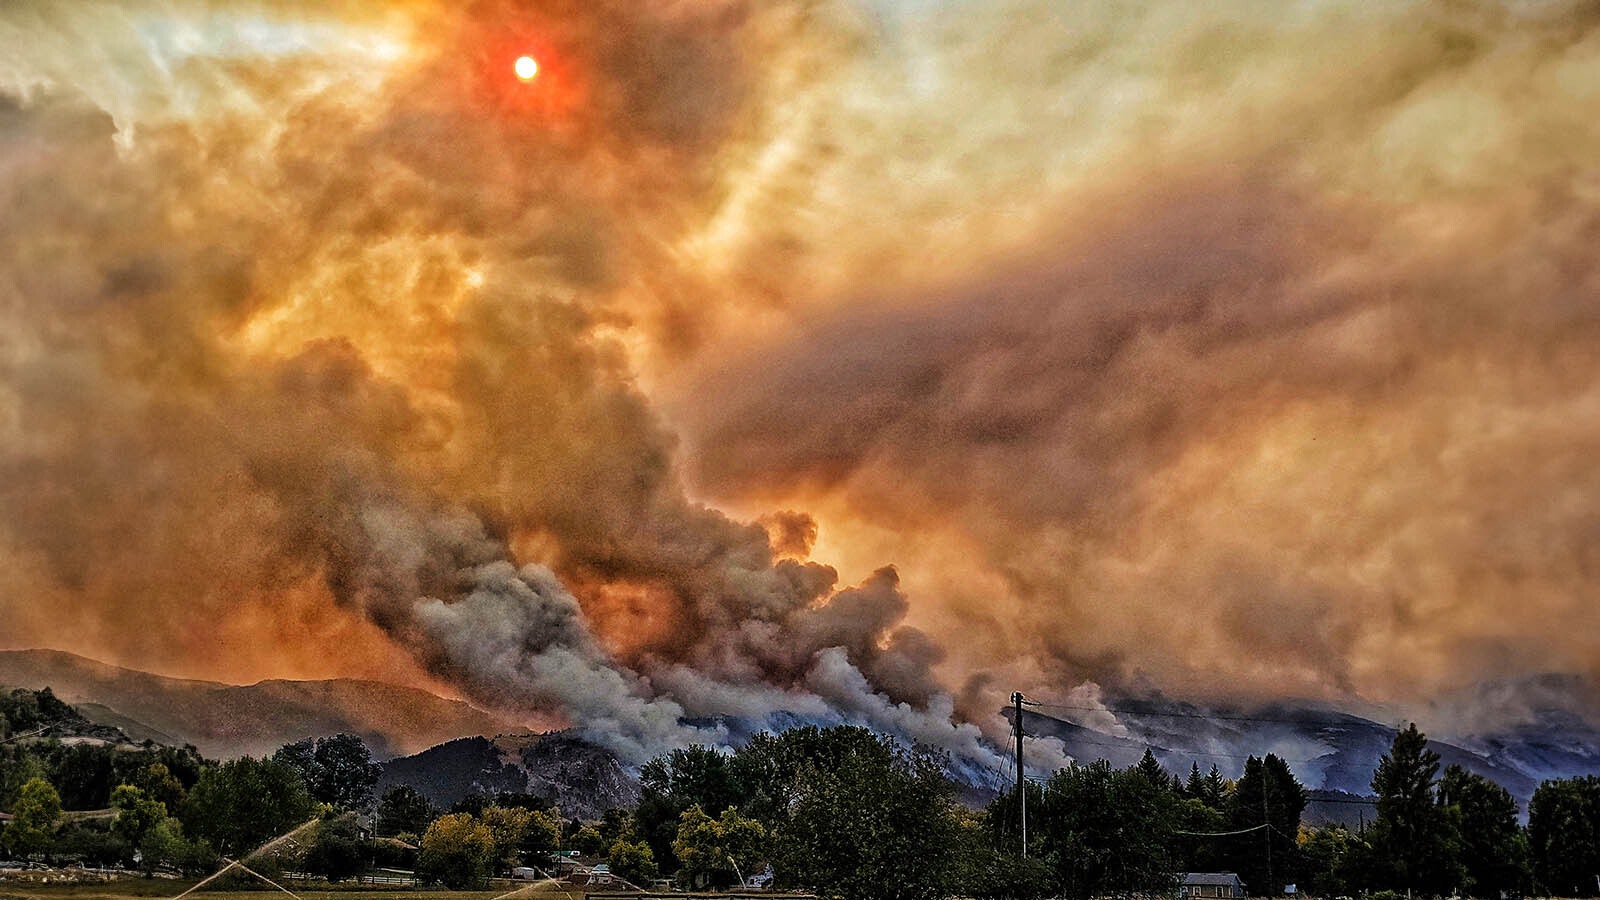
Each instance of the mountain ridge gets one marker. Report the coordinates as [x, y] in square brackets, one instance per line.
[581, 778]
[1333, 752]
[229, 720]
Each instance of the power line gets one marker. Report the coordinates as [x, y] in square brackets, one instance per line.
[1138, 746]
[1217, 717]
[1353, 801]
[1225, 833]
[47, 727]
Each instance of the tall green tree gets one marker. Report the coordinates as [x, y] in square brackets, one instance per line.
[542, 839]
[1108, 832]
[137, 813]
[144, 825]
[245, 802]
[669, 785]
[1194, 852]
[520, 833]
[82, 774]
[1564, 835]
[158, 782]
[1213, 791]
[404, 809]
[1414, 844]
[1149, 767]
[338, 769]
[865, 819]
[1266, 794]
[1493, 851]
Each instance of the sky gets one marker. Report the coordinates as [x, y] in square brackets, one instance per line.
[854, 358]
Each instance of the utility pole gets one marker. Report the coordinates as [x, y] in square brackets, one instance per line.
[1022, 782]
[1267, 830]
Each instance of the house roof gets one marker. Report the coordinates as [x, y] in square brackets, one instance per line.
[6, 817]
[1211, 878]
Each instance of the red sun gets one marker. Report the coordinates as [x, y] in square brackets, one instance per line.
[526, 67]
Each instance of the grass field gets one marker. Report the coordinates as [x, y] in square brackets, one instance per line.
[154, 889]
[143, 889]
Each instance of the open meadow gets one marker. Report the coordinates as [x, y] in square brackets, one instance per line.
[158, 889]
[161, 889]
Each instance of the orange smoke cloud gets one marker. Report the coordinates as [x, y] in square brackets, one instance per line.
[327, 354]
[1156, 344]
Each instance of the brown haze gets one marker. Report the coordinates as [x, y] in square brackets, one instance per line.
[864, 359]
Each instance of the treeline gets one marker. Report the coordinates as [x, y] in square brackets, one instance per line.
[1097, 831]
[842, 811]
[849, 814]
[156, 807]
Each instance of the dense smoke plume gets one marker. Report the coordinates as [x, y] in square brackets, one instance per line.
[859, 361]
[1296, 390]
[351, 357]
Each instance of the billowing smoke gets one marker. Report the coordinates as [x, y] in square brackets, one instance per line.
[1280, 385]
[304, 350]
[842, 361]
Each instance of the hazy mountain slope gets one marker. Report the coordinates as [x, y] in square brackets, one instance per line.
[1338, 808]
[1543, 725]
[133, 728]
[1328, 750]
[225, 720]
[1517, 734]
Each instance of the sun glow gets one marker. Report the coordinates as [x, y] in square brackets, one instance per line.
[527, 68]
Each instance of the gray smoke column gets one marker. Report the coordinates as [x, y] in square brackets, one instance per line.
[509, 637]
[832, 360]
[316, 330]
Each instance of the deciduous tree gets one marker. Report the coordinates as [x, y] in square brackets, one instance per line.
[1108, 832]
[670, 784]
[245, 802]
[404, 809]
[1484, 814]
[458, 851]
[1564, 835]
[35, 816]
[717, 852]
[337, 849]
[633, 862]
[866, 819]
[337, 769]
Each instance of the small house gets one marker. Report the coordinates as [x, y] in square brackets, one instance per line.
[1211, 884]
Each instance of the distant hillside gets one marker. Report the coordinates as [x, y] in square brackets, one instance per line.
[1339, 808]
[583, 779]
[226, 721]
[1333, 753]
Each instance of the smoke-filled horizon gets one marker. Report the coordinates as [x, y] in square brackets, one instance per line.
[857, 360]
